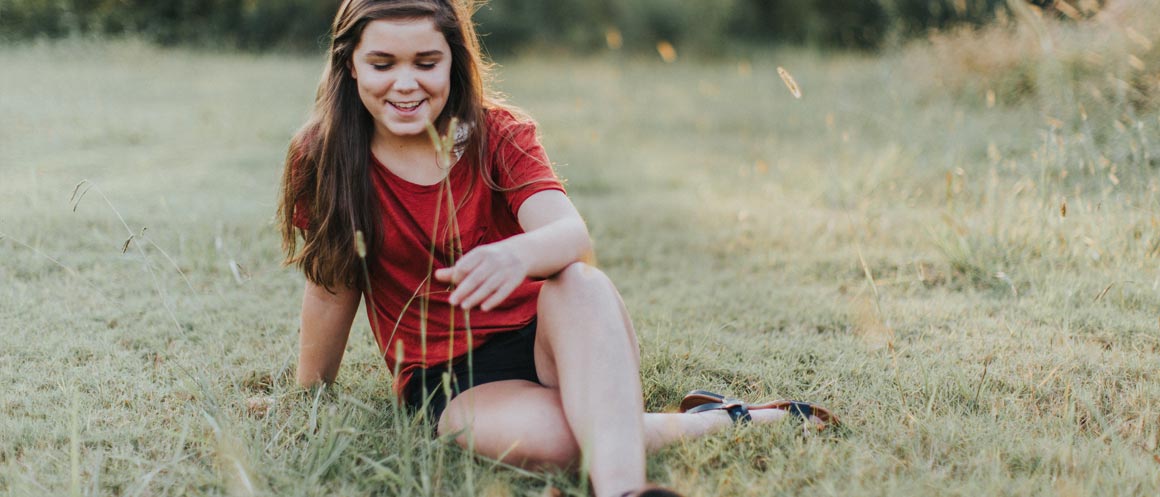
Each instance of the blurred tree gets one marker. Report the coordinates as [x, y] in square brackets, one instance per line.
[919, 16]
[701, 25]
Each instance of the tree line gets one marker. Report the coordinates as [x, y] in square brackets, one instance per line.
[697, 25]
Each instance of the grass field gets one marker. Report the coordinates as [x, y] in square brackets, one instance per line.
[972, 287]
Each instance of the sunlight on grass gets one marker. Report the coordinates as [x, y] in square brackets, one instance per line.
[963, 268]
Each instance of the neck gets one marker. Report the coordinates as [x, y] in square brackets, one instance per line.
[384, 140]
[412, 158]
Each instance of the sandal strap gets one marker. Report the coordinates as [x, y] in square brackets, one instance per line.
[800, 409]
[698, 397]
[706, 393]
[737, 410]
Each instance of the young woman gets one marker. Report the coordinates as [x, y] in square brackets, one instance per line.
[471, 269]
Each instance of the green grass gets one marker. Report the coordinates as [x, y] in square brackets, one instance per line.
[859, 247]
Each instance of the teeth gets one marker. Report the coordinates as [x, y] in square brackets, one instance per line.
[406, 106]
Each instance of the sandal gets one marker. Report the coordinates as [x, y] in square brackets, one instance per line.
[702, 400]
[652, 491]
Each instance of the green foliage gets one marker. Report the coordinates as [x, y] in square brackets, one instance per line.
[250, 24]
[699, 25]
[918, 16]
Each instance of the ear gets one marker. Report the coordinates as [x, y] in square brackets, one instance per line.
[350, 67]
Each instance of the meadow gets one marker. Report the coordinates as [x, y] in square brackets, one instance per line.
[967, 278]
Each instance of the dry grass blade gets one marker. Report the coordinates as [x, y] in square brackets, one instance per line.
[1104, 292]
[239, 272]
[52, 259]
[983, 379]
[1067, 10]
[360, 244]
[1138, 38]
[74, 446]
[790, 82]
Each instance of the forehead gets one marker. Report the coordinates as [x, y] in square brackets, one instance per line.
[401, 37]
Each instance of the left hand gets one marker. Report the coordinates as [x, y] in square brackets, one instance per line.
[488, 275]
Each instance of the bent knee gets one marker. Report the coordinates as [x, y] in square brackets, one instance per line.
[579, 275]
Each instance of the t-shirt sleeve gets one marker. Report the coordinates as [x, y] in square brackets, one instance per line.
[301, 216]
[522, 166]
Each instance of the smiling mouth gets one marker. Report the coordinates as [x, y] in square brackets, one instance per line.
[406, 106]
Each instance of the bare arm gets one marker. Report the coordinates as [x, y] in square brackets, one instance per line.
[554, 234]
[326, 320]
[554, 237]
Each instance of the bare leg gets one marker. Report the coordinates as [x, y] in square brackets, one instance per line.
[523, 423]
[585, 347]
[662, 429]
[590, 403]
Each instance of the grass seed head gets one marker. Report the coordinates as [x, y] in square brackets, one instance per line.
[789, 82]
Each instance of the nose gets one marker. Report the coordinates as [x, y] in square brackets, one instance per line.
[406, 82]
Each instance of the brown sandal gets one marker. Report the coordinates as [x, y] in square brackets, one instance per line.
[651, 491]
[702, 400]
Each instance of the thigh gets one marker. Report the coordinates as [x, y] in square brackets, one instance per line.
[515, 421]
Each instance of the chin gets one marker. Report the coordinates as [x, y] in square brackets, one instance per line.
[408, 129]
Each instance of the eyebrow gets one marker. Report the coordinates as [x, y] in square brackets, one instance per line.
[428, 53]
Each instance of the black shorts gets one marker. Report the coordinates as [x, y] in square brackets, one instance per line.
[506, 356]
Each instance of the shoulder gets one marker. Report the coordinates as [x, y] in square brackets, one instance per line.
[508, 127]
[505, 121]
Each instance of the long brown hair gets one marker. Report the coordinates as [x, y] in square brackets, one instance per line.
[327, 170]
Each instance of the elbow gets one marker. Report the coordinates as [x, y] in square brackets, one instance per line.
[308, 380]
[585, 252]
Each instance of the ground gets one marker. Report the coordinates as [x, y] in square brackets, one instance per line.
[965, 283]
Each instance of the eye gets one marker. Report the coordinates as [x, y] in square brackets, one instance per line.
[427, 65]
[381, 67]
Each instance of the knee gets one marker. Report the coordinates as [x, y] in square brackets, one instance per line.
[578, 277]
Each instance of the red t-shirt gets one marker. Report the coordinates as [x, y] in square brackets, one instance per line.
[400, 284]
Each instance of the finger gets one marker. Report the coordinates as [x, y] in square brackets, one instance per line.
[466, 265]
[468, 285]
[456, 273]
[500, 295]
[482, 292]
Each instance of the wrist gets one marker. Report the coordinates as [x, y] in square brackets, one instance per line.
[522, 254]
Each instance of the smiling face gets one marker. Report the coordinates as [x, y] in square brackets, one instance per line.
[403, 72]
